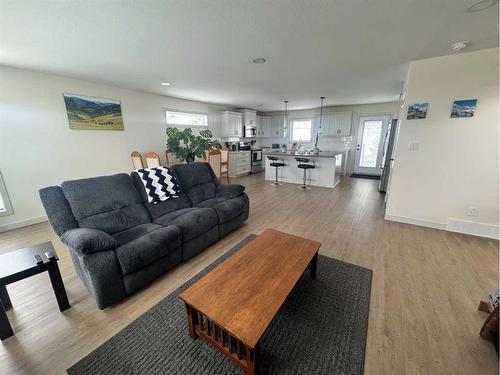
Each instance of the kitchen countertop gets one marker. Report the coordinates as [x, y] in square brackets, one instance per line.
[322, 154]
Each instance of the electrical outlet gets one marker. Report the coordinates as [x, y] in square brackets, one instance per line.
[413, 146]
[472, 211]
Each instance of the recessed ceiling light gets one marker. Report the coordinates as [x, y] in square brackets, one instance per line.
[458, 46]
[259, 60]
[481, 5]
[165, 83]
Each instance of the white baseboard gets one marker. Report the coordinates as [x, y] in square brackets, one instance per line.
[453, 225]
[422, 223]
[474, 228]
[22, 223]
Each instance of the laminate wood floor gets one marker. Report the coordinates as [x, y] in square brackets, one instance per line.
[426, 285]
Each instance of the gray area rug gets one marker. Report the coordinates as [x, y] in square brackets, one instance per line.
[320, 329]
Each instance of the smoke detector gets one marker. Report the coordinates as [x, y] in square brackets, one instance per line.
[458, 46]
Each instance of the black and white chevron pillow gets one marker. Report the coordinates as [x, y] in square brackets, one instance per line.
[160, 184]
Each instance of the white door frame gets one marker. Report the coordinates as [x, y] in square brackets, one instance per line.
[376, 171]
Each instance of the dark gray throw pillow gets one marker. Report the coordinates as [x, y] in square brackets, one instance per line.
[87, 240]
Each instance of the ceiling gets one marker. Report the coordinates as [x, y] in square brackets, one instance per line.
[351, 51]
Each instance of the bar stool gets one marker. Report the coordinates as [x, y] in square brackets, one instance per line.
[305, 164]
[276, 163]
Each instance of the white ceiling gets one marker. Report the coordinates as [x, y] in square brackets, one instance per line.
[351, 51]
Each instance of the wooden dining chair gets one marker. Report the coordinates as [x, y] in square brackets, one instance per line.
[137, 160]
[214, 159]
[152, 159]
[224, 163]
[172, 159]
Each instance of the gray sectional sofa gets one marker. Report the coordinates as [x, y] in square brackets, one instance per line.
[119, 242]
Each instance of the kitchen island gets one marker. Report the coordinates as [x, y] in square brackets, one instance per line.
[328, 172]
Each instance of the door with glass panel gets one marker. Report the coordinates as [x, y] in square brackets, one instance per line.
[370, 144]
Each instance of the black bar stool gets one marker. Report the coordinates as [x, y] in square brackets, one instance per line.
[276, 163]
[305, 164]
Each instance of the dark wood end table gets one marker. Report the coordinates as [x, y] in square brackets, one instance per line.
[20, 264]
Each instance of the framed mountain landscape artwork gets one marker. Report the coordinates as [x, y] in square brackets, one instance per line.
[87, 113]
[417, 111]
[463, 108]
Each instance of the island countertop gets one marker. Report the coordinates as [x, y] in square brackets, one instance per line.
[322, 154]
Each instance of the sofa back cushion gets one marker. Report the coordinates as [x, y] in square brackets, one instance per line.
[107, 203]
[58, 210]
[197, 180]
[161, 208]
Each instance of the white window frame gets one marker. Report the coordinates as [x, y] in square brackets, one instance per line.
[167, 110]
[310, 132]
[5, 199]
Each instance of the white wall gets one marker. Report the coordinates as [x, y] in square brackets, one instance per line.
[334, 143]
[457, 164]
[38, 149]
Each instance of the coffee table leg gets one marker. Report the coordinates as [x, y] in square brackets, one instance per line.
[252, 360]
[313, 267]
[5, 327]
[192, 319]
[4, 297]
[58, 286]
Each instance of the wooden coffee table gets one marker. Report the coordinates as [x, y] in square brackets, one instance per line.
[232, 306]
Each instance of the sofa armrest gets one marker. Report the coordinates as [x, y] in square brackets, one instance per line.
[230, 190]
[88, 240]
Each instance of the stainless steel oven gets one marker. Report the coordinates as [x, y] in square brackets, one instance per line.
[256, 160]
[250, 131]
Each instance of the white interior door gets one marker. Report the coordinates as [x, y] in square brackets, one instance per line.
[369, 145]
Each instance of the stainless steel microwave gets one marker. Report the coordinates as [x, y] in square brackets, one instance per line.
[250, 131]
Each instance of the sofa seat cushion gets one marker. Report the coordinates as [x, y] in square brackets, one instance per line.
[226, 208]
[133, 233]
[193, 221]
[146, 245]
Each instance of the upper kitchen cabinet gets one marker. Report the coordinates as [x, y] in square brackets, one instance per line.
[232, 124]
[336, 124]
[249, 117]
[277, 126]
[264, 126]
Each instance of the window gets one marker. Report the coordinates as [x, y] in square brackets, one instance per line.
[301, 130]
[372, 134]
[5, 207]
[176, 118]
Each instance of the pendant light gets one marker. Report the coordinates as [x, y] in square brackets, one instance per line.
[320, 130]
[316, 150]
[285, 120]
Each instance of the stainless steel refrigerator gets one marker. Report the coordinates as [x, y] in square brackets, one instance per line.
[389, 143]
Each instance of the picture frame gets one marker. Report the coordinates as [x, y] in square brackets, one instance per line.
[463, 108]
[417, 111]
[90, 113]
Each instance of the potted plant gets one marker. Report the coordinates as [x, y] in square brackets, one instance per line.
[186, 145]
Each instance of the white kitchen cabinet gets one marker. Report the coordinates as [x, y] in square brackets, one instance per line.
[277, 126]
[239, 163]
[259, 127]
[264, 126]
[232, 124]
[249, 117]
[336, 124]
